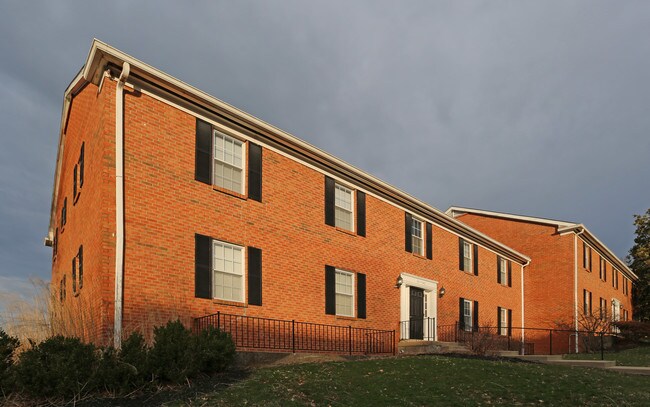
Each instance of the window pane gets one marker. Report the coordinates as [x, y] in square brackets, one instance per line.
[228, 272]
[343, 207]
[344, 288]
[228, 162]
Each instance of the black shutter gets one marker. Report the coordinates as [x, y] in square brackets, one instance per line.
[255, 172]
[329, 201]
[254, 276]
[80, 269]
[509, 273]
[361, 213]
[498, 269]
[74, 183]
[584, 255]
[202, 266]
[590, 308]
[475, 316]
[461, 254]
[475, 247]
[330, 290]
[81, 165]
[461, 313]
[429, 242]
[590, 259]
[203, 152]
[74, 274]
[361, 295]
[408, 225]
[499, 322]
[509, 322]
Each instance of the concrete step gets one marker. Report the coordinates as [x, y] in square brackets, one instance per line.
[583, 363]
[638, 370]
[506, 353]
[417, 347]
[539, 358]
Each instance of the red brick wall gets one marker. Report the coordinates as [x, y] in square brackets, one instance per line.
[90, 220]
[165, 207]
[549, 279]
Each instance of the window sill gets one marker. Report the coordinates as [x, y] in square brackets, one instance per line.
[471, 273]
[230, 192]
[346, 231]
[419, 256]
[344, 318]
[229, 303]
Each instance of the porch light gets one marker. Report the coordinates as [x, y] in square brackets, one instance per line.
[399, 282]
[442, 292]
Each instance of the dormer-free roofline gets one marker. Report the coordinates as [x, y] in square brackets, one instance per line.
[562, 227]
[103, 56]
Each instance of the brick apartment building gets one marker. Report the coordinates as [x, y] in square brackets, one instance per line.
[572, 275]
[170, 203]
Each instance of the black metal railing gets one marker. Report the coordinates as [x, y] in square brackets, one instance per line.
[528, 341]
[249, 333]
[418, 328]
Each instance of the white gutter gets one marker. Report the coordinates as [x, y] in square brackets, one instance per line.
[575, 282]
[119, 204]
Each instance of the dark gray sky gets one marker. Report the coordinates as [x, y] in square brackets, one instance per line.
[536, 108]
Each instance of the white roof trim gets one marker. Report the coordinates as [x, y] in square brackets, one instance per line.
[101, 53]
[457, 210]
[562, 228]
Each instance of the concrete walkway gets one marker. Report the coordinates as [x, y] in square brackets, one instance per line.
[599, 364]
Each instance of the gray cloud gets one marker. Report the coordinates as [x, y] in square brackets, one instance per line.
[539, 108]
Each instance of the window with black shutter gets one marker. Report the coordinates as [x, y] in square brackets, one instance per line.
[220, 160]
[467, 256]
[78, 176]
[64, 213]
[342, 288]
[80, 266]
[74, 276]
[340, 207]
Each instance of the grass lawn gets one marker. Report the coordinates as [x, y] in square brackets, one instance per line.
[630, 357]
[426, 380]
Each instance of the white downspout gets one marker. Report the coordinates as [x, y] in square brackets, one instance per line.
[523, 303]
[119, 204]
[575, 284]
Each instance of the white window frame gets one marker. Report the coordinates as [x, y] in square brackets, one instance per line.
[344, 189]
[216, 133]
[503, 329]
[419, 249]
[337, 293]
[468, 254]
[468, 312]
[503, 271]
[241, 249]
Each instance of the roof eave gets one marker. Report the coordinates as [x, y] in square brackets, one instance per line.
[102, 54]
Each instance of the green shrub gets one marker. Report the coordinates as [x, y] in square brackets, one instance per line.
[113, 374]
[59, 367]
[135, 352]
[215, 350]
[173, 356]
[8, 345]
